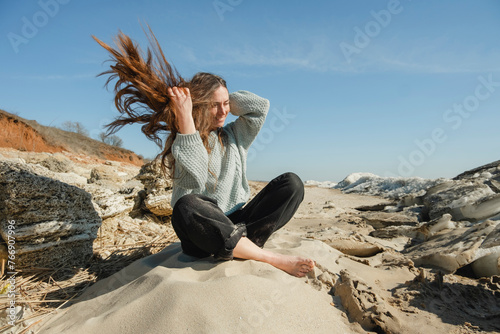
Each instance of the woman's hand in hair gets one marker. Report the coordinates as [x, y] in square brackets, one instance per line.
[182, 105]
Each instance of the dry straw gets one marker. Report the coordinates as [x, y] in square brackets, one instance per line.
[42, 291]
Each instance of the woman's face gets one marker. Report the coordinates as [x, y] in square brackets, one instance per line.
[220, 107]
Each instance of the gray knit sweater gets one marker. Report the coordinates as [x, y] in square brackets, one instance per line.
[194, 166]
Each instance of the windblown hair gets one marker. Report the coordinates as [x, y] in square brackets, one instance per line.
[141, 94]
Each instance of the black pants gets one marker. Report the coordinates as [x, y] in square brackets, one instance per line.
[205, 230]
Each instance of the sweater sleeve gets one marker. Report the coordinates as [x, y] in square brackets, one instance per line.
[251, 110]
[191, 161]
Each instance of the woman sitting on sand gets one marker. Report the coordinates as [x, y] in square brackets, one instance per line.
[207, 160]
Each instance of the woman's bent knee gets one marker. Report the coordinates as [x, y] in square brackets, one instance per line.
[294, 183]
[183, 209]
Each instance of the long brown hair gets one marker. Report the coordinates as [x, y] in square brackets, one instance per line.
[141, 94]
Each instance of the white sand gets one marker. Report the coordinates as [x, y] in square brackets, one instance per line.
[170, 292]
[174, 293]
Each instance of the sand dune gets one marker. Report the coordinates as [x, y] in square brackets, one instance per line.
[172, 292]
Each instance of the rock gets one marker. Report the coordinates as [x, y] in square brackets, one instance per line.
[69, 178]
[365, 306]
[112, 163]
[152, 177]
[109, 202]
[158, 188]
[355, 247]
[131, 188]
[471, 196]
[488, 265]
[104, 175]
[384, 219]
[33, 157]
[492, 168]
[464, 200]
[393, 188]
[413, 211]
[419, 233]
[354, 179]
[411, 200]
[452, 249]
[427, 230]
[57, 163]
[391, 232]
[375, 207]
[55, 223]
[440, 224]
[391, 259]
[494, 184]
[159, 204]
[483, 208]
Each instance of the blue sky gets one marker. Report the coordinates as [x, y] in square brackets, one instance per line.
[408, 88]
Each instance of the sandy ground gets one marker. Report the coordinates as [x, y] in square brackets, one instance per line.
[367, 287]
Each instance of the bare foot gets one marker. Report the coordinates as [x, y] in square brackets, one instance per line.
[293, 265]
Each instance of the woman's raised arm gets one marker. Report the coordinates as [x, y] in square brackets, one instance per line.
[183, 108]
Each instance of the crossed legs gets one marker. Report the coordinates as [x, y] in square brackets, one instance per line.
[205, 230]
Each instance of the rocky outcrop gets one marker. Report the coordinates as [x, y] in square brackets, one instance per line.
[104, 174]
[488, 168]
[351, 246]
[34, 187]
[472, 196]
[471, 200]
[455, 248]
[54, 222]
[157, 189]
[450, 245]
[57, 163]
[393, 188]
[384, 219]
[110, 202]
[450, 223]
[489, 262]
[113, 192]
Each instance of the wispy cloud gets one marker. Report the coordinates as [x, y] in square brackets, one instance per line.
[314, 55]
[323, 54]
[407, 65]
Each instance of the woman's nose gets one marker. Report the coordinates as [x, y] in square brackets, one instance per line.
[221, 110]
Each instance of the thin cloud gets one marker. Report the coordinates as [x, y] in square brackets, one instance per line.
[322, 54]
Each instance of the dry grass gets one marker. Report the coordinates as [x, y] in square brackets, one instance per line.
[41, 291]
[75, 142]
